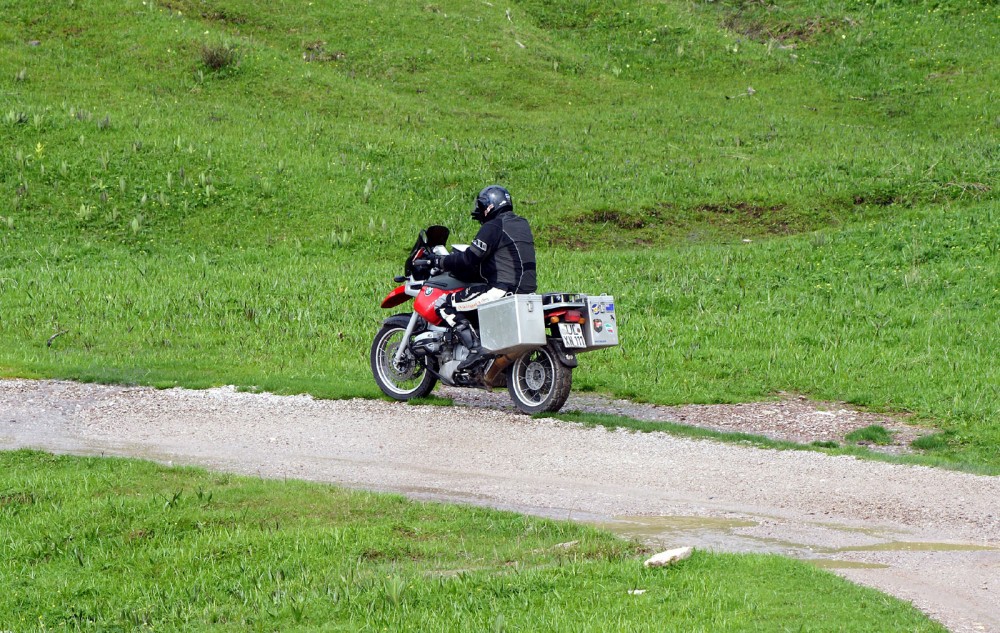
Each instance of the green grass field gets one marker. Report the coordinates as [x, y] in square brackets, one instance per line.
[201, 193]
[782, 198]
[120, 545]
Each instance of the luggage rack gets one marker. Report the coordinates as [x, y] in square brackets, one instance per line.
[563, 300]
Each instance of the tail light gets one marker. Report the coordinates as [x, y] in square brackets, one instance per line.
[567, 316]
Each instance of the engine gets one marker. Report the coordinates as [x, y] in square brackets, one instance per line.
[442, 345]
[427, 344]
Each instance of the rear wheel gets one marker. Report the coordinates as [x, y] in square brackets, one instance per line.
[538, 382]
[404, 380]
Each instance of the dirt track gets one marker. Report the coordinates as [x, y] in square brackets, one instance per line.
[928, 536]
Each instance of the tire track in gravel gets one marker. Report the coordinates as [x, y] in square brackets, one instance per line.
[928, 536]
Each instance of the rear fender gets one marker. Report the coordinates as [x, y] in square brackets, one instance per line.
[565, 356]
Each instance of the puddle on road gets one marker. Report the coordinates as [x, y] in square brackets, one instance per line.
[658, 527]
[703, 532]
[723, 534]
[829, 563]
[914, 546]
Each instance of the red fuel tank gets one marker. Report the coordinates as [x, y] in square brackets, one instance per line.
[428, 300]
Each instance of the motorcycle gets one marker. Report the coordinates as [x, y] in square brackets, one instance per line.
[531, 340]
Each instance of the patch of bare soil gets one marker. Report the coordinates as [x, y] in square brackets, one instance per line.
[764, 28]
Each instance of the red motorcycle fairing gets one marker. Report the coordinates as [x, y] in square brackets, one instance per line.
[425, 302]
[395, 297]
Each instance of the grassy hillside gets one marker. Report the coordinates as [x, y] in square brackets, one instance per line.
[199, 192]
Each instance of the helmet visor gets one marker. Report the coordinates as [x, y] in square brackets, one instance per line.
[480, 207]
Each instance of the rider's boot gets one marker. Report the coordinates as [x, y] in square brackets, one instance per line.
[470, 339]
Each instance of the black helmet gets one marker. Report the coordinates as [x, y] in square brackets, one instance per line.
[490, 201]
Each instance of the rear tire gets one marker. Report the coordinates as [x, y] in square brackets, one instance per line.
[538, 382]
[405, 381]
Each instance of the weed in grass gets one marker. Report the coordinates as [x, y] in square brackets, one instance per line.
[218, 57]
[13, 117]
[340, 239]
[21, 75]
[825, 444]
[394, 589]
[873, 434]
[932, 442]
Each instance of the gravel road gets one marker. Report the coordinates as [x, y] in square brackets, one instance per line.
[928, 536]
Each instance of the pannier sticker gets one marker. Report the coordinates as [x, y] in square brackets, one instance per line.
[598, 325]
[596, 308]
[609, 308]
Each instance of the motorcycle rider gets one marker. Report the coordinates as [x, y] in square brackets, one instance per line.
[502, 255]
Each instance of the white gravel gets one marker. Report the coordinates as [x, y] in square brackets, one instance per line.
[928, 536]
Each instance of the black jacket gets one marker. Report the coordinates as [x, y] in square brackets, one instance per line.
[502, 255]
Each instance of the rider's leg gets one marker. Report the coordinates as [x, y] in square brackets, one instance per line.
[467, 300]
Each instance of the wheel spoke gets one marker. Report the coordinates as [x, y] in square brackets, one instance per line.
[534, 377]
[404, 377]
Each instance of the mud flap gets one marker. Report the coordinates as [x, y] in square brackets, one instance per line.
[567, 358]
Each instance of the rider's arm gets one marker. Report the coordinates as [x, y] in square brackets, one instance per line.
[468, 261]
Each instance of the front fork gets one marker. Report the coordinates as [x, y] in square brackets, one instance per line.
[405, 343]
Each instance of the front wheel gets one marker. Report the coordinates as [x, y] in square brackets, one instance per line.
[400, 381]
[538, 382]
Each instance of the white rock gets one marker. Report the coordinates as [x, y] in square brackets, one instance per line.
[669, 557]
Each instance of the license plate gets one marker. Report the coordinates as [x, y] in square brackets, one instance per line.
[572, 335]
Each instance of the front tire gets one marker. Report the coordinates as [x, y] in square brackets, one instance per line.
[404, 381]
[538, 382]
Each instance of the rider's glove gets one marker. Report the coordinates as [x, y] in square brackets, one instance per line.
[437, 261]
